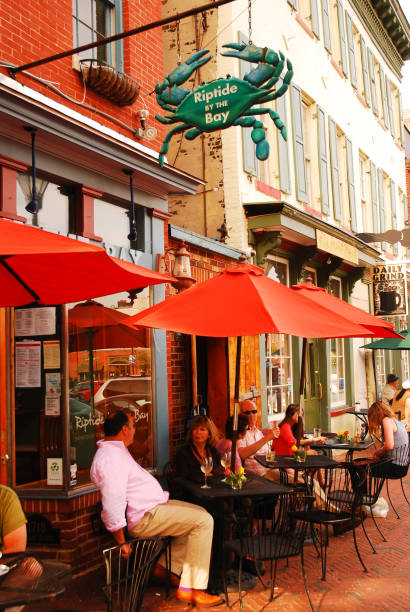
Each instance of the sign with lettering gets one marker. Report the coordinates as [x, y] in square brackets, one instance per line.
[224, 102]
[389, 290]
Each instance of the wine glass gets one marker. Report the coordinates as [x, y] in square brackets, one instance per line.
[226, 462]
[206, 467]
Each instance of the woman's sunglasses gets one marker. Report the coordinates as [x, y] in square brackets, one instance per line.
[249, 412]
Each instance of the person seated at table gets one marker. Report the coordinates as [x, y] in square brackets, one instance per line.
[255, 441]
[13, 532]
[401, 403]
[393, 433]
[390, 388]
[286, 439]
[224, 445]
[201, 442]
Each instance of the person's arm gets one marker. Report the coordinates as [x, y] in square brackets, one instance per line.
[15, 541]
[388, 438]
[110, 474]
[310, 440]
[119, 537]
[247, 451]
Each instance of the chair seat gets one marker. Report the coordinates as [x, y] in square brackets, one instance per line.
[321, 516]
[262, 548]
[341, 496]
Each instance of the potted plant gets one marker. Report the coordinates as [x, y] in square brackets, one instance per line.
[299, 454]
[343, 436]
[235, 479]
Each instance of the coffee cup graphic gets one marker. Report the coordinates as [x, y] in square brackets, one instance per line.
[389, 300]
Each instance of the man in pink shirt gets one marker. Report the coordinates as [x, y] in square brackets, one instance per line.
[132, 497]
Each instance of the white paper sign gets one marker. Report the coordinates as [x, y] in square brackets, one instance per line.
[35, 321]
[52, 407]
[51, 354]
[53, 383]
[55, 471]
[28, 364]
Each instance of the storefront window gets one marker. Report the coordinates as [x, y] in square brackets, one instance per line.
[278, 354]
[337, 362]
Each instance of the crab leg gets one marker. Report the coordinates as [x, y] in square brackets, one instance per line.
[273, 115]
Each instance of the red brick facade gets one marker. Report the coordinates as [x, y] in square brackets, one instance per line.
[41, 29]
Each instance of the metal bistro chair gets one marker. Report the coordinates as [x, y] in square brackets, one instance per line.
[267, 533]
[399, 456]
[343, 491]
[371, 489]
[126, 579]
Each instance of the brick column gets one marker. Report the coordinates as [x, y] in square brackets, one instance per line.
[84, 211]
[8, 187]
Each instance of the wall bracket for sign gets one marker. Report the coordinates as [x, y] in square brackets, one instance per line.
[222, 103]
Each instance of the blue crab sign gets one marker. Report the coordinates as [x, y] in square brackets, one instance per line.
[225, 102]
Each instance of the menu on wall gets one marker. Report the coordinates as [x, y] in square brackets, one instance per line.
[35, 321]
[51, 354]
[28, 363]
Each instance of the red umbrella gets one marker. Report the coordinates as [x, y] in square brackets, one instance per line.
[46, 268]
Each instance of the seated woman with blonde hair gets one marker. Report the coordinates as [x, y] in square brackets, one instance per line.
[201, 441]
[394, 436]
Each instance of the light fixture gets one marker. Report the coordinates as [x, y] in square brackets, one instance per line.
[180, 268]
[133, 226]
[32, 188]
[143, 115]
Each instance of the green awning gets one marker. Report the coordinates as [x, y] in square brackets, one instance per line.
[391, 344]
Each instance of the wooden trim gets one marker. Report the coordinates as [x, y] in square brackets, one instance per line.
[337, 68]
[362, 100]
[271, 191]
[8, 187]
[314, 212]
[160, 214]
[304, 25]
[84, 207]
[13, 164]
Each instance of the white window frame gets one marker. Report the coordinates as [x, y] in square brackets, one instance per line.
[339, 354]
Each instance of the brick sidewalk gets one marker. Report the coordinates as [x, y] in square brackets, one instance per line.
[386, 588]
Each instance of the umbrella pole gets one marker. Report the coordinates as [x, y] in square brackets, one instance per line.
[91, 368]
[301, 391]
[236, 401]
[194, 373]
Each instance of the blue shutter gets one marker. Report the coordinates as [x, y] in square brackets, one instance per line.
[375, 207]
[393, 212]
[372, 79]
[384, 98]
[250, 162]
[390, 106]
[119, 45]
[283, 148]
[323, 160]
[334, 160]
[351, 187]
[366, 84]
[350, 46]
[298, 145]
[315, 18]
[342, 36]
[401, 120]
[382, 212]
[326, 25]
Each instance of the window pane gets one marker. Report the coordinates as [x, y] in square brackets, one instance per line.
[52, 208]
[112, 222]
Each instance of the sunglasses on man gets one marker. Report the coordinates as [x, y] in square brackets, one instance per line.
[249, 412]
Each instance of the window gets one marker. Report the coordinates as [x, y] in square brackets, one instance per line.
[94, 20]
[52, 204]
[278, 353]
[337, 361]
[308, 10]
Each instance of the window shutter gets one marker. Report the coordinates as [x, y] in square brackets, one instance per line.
[372, 79]
[393, 212]
[326, 25]
[337, 208]
[298, 145]
[283, 150]
[384, 98]
[315, 18]
[350, 45]
[350, 180]
[293, 3]
[342, 36]
[323, 160]
[119, 45]
[401, 120]
[365, 69]
[381, 203]
[390, 106]
[373, 180]
[250, 163]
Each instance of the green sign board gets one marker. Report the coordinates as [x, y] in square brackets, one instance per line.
[224, 102]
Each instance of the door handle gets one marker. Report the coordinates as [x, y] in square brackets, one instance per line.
[4, 458]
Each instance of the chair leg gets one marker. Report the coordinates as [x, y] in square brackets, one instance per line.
[315, 539]
[356, 546]
[377, 527]
[388, 495]
[323, 551]
[402, 488]
[225, 553]
[273, 580]
[302, 558]
[239, 582]
[366, 534]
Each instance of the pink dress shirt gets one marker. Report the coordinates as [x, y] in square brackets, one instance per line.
[125, 486]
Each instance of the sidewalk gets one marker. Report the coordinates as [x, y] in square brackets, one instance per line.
[386, 588]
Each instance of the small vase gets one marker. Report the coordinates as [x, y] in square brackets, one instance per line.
[236, 485]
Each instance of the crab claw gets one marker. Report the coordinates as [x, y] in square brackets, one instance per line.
[251, 53]
[184, 71]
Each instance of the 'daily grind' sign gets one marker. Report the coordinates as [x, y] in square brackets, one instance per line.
[224, 102]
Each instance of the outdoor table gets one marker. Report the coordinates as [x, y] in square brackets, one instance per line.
[361, 415]
[334, 444]
[17, 587]
[283, 462]
[215, 496]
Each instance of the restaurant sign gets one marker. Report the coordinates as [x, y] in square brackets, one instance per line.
[389, 290]
[224, 102]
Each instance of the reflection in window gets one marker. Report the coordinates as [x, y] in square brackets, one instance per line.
[337, 362]
[278, 355]
[92, 21]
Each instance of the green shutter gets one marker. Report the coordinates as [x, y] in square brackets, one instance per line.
[283, 150]
[366, 84]
[298, 145]
[393, 212]
[326, 25]
[401, 120]
[372, 79]
[337, 207]
[323, 160]
[342, 36]
[384, 98]
[351, 187]
[350, 46]
[381, 200]
[375, 207]
[314, 12]
[390, 106]
[250, 162]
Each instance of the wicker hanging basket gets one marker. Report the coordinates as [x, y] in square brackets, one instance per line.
[109, 82]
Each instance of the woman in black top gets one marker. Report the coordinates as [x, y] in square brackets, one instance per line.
[201, 440]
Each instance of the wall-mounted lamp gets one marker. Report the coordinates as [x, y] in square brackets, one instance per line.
[32, 188]
[180, 268]
[143, 115]
[133, 225]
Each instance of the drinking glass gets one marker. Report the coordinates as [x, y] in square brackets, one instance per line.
[206, 467]
[317, 432]
[226, 462]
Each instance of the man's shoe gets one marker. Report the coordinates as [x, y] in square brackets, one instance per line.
[200, 598]
[160, 573]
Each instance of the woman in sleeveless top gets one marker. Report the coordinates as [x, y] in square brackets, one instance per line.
[401, 402]
[393, 432]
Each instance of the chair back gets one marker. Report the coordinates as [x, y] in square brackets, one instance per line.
[370, 489]
[343, 487]
[126, 579]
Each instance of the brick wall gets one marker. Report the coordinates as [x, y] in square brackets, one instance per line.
[39, 29]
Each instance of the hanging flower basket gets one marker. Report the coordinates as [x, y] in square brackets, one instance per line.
[109, 82]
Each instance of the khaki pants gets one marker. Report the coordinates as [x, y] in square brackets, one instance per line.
[192, 528]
